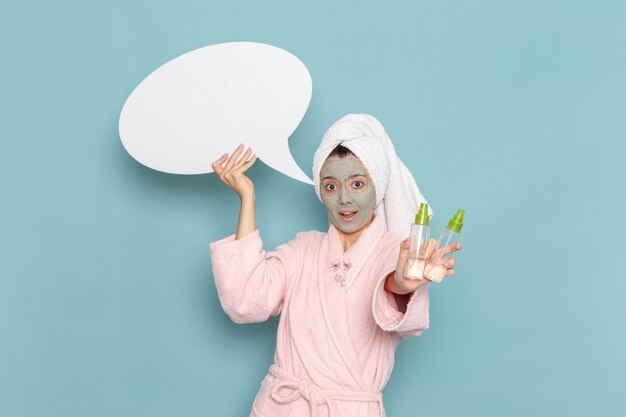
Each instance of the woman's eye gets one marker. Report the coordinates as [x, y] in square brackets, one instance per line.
[357, 184]
[330, 187]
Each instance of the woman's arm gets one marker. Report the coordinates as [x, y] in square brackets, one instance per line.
[232, 172]
[247, 217]
[402, 304]
[250, 282]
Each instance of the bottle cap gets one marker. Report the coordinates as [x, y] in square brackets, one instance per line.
[456, 222]
[422, 215]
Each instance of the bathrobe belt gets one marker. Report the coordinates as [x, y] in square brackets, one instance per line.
[314, 394]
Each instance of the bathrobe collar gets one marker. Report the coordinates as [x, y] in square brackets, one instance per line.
[338, 270]
[347, 265]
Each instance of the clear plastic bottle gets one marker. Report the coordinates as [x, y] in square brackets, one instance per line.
[435, 269]
[414, 266]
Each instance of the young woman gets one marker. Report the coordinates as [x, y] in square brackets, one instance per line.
[343, 301]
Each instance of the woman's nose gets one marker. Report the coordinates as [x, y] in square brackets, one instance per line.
[344, 196]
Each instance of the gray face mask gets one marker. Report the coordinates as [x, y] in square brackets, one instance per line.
[347, 193]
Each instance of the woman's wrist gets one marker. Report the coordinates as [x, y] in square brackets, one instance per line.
[247, 217]
[392, 285]
[247, 197]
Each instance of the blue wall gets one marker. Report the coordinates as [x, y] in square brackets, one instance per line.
[107, 303]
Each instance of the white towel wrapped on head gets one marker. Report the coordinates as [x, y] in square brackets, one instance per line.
[397, 195]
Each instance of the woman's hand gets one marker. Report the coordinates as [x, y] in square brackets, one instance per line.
[438, 264]
[399, 284]
[231, 171]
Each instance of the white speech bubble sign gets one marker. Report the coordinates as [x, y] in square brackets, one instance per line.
[200, 105]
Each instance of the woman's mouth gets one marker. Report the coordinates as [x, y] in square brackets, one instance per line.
[347, 216]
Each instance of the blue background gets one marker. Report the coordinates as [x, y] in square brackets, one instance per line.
[514, 111]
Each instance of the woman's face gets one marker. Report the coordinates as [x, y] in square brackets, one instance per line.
[347, 193]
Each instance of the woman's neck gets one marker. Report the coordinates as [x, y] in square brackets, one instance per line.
[349, 239]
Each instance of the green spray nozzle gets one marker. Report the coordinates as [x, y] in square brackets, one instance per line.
[422, 215]
[456, 222]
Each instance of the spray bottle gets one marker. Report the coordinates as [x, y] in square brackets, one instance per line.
[435, 269]
[414, 266]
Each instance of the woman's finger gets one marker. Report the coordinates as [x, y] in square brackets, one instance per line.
[217, 165]
[452, 247]
[449, 272]
[243, 159]
[405, 245]
[244, 167]
[446, 262]
[449, 262]
[431, 245]
[233, 158]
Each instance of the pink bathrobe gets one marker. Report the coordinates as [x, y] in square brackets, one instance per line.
[338, 326]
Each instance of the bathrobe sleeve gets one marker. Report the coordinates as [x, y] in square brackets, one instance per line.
[251, 283]
[390, 317]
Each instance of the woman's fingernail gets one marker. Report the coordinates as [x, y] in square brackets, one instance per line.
[447, 265]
